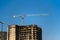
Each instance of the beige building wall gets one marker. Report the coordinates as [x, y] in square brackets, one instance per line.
[12, 34]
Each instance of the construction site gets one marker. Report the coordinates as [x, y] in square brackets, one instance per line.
[22, 32]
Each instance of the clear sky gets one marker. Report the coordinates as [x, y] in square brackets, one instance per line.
[49, 24]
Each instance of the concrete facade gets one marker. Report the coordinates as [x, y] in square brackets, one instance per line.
[12, 33]
[29, 32]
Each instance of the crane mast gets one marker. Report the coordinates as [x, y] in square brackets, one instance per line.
[22, 20]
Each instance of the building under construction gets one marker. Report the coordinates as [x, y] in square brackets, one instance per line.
[29, 32]
[3, 35]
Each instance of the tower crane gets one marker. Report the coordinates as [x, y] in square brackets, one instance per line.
[23, 16]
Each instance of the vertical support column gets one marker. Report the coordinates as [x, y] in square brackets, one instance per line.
[32, 33]
[35, 34]
[19, 33]
[28, 36]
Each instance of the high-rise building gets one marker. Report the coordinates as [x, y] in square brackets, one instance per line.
[3, 35]
[29, 32]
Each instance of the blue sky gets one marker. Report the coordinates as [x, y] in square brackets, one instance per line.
[49, 24]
